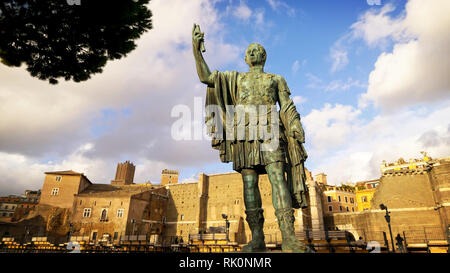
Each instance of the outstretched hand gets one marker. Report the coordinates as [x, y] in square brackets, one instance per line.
[197, 38]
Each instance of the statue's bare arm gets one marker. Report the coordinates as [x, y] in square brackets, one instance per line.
[202, 68]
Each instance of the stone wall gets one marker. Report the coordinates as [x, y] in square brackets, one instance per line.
[197, 207]
[418, 203]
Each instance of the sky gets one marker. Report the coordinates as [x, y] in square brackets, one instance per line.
[370, 82]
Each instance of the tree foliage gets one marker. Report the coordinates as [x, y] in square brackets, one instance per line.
[55, 39]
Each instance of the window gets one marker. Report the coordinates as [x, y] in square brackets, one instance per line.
[353, 209]
[346, 200]
[120, 213]
[351, 200]
[364, 199]
[330, 208]
[339, 198]
[182, 217]
[58, 178]
[87, 212]
[104, 215]
[94, 236]
[340, 208]
[347, 208]
[6, 207]
[329, 199]
[55, 191]
[116, 236]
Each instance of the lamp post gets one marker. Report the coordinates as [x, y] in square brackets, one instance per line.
[27, 233]
[70, 231]
[227, 224]
[388, 220]
[133, 221]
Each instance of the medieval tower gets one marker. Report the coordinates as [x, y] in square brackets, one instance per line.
[124, 174]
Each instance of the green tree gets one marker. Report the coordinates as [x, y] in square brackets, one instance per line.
[69, 39]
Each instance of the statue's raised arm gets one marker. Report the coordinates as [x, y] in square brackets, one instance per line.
[198, 47]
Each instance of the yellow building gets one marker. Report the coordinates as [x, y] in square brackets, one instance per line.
[401, 164]
[364, 193]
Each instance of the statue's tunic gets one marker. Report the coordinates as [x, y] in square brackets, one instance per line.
[232, 88]
[257, 90]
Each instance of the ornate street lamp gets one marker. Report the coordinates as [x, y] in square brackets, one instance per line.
[388, 220]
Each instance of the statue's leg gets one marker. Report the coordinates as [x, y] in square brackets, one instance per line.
[282, 203]
[255, 218]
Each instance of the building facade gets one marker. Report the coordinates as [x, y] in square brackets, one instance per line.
[15, 207]
[202, 206]
[364, 191]
[338, 199]
[417, 198]
[60, 187]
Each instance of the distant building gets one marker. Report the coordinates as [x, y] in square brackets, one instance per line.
[60, 187]
[321, 178]
[338, 199]
[8, 207]
[124, 174]
[417, 194]
[114, 212]
[15, 207]
[401, 164]
[169, 177]
[364, 191]
[198, 207]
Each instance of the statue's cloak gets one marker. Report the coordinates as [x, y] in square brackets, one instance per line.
[224, 93]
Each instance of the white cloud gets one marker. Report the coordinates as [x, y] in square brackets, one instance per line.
[277, 5]
[339, 58]
[329, 126]
[28, 173]
[416, 70]
[259, 17]
[411, 79]
[352, 148]
[339, 85]
[299, 100]
[295, 66]
[242, 11]
[376, 27]
[315, 82]
[39, 121]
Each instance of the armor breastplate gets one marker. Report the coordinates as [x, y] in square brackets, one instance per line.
[256, 89]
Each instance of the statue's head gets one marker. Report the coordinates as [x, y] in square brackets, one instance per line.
[255, 55]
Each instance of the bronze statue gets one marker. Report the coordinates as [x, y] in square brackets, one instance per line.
[283, 162]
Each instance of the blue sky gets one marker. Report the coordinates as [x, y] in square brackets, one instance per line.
[370, 83]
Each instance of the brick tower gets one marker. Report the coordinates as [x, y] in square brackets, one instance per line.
[169, 177]
[124, 174]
